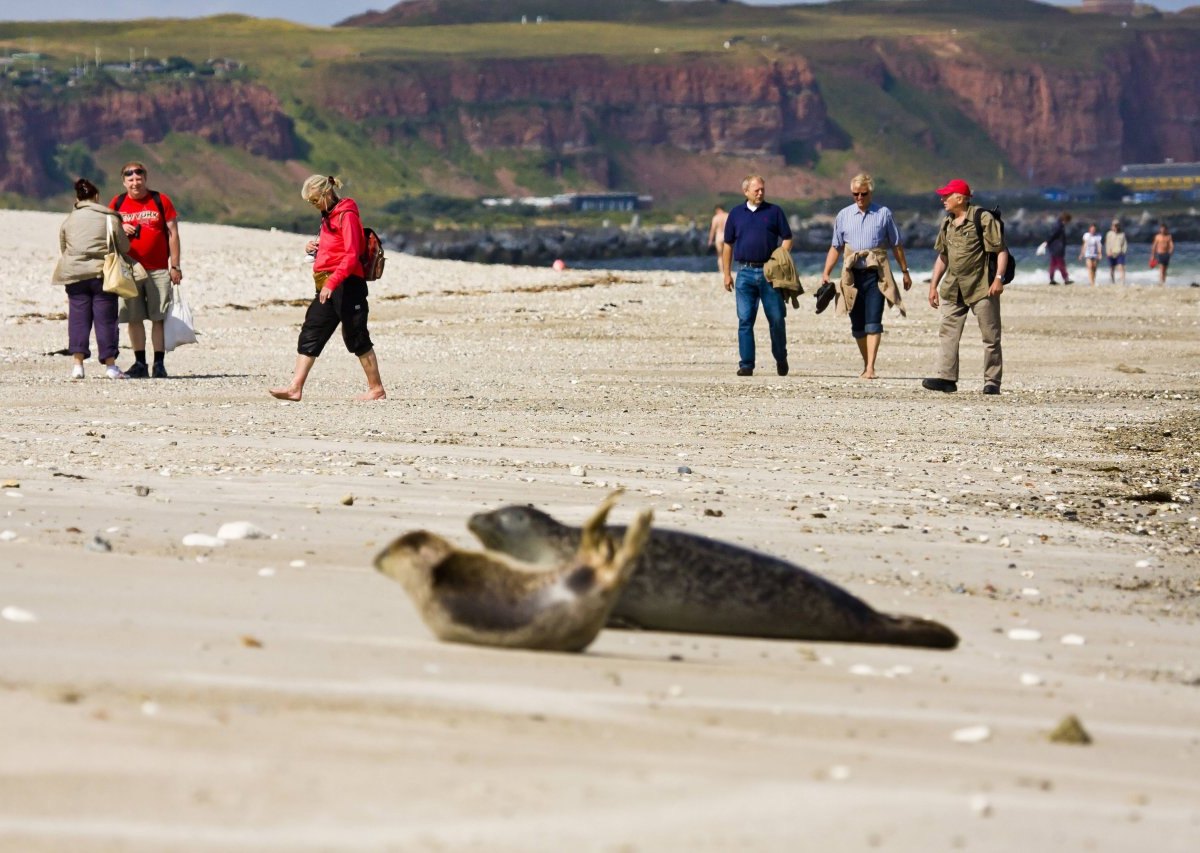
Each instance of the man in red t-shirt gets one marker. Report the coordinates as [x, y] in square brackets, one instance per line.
[152, 225]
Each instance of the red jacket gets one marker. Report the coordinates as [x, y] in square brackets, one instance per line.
[341, 243]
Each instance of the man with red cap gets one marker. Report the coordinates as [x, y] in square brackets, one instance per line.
[962, 283]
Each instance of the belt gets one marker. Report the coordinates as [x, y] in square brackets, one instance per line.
[751, 265]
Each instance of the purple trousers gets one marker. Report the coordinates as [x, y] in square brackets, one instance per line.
[91, 306]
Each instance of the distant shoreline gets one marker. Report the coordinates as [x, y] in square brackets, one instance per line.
[543, 245]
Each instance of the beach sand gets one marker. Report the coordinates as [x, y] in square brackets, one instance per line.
[278, 694]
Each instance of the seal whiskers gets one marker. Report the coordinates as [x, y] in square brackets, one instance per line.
[492, 599]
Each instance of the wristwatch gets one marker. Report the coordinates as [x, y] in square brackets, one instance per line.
[177, 269]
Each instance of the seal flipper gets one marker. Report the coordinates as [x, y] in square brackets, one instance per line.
[913, 631]
[613, 563]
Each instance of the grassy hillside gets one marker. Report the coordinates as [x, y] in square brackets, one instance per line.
[917, 135]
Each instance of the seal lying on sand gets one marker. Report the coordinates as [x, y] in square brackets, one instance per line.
[698, 585]
[491, 600]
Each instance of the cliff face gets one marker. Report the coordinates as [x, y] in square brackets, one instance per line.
[1061, 125]
[225, 113]
[575, 104]
[1054, 124]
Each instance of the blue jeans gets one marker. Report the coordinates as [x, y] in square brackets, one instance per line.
[750, 288]
[866, 317]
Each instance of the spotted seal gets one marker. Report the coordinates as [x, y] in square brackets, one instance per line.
[683, 582]
[491, 599]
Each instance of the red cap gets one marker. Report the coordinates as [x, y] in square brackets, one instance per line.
[958, 185]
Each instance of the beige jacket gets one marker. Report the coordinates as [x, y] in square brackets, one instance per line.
[876, 257]
[83, 242]
[780, 270]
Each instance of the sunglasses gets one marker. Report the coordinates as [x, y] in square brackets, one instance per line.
[129, 173]
[860, 195]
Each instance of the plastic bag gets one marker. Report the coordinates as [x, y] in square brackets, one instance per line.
[178, 326]
[1041, 249]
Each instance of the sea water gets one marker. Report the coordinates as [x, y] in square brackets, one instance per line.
[1184, 270]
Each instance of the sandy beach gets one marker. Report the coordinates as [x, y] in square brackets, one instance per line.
[278, 694]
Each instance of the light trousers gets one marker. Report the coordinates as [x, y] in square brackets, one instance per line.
[954, 318]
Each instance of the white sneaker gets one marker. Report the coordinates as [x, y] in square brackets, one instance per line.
[77, 371]
[114, 372]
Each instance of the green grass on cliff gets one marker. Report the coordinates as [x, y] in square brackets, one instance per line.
[904, 137]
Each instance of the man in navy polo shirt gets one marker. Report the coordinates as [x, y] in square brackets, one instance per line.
[752, 232]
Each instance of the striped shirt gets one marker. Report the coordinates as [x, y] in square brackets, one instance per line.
[868, 230]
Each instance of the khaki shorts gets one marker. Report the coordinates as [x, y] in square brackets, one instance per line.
[152, 302]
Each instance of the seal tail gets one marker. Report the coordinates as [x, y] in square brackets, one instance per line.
[914, 631]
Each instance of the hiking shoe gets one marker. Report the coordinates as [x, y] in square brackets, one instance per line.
[137, 370]
[745, 371]
[77, 371]
[939, 385]
[160, 370]
[781, 367]
[991, 389]
[825, 294]
[114, 372]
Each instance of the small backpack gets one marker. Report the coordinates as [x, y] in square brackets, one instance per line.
[372, 258]
[1010, 271]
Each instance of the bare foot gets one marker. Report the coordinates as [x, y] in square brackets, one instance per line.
[372, 395]
[867, 374]
[285, 394]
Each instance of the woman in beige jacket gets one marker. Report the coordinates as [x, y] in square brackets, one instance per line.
[84, 240]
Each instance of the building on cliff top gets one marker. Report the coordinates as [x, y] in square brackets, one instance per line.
[1109, 7]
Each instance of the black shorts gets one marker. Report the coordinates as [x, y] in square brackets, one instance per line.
[348, 306]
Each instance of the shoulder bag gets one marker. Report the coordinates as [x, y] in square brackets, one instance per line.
[118, 269]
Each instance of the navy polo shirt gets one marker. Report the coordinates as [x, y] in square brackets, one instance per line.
[754, 235]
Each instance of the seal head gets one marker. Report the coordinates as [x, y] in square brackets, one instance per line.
[489, 598]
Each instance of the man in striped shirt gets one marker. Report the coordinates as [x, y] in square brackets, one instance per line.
[860, 228]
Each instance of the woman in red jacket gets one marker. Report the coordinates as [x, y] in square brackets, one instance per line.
[341, 290]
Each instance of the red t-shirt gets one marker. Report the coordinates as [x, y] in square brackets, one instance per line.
[150, 246]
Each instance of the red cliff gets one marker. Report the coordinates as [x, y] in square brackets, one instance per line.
[247, 116]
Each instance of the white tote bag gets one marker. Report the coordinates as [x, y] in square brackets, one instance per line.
[179, 327]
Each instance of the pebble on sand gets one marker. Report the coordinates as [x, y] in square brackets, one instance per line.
[1070, 730]
[1027, 634]
[17, 614]
[347, 500]
[231, 530]
[972, 734]
[202, 540]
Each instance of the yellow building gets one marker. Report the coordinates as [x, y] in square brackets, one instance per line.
[1160, 177]
[1109, 7]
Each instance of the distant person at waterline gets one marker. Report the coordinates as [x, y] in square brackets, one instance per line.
[865, 231]
[341, 290]
[716, 232]
[960, 286]
[1160, 252]
[1116, 245]
[1089, 252]
[1056, 248]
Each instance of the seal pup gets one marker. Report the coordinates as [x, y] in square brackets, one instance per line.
[492, 600]
[693, 584]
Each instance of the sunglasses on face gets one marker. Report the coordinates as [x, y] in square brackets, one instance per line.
[860, 195]
[129, 173]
